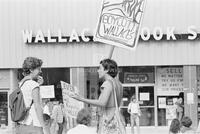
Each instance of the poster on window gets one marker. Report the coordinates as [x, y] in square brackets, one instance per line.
[119, 22]
[169, 81]
[170, 111]
[71, 106]
[162, 102]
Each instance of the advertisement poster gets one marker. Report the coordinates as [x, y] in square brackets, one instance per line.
[119, 22]
[71, 106]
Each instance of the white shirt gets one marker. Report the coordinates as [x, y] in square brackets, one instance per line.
[27, 88]
[134, 107]
[46, 110]
[81, 129]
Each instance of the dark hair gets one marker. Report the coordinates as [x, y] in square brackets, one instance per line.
[181, 95]
[186, 121]
[46, 117]
[31, 63]
[175, 126]
[133, 98]
[111, 66]
[60, 101]
[84, 117]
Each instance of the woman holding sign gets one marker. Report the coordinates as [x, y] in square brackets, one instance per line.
[111, 121]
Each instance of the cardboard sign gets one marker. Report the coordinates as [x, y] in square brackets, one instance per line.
[47, 91]
[71, 106]
[119, 22]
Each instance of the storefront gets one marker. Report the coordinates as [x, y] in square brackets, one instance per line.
[165, 62]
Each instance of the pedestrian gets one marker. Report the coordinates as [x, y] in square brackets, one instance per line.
[175, 127]
[30, 87]
[83, 123]
[186, 124]
[179, 109]
[109, 99]
[135, 113]
[57, 117]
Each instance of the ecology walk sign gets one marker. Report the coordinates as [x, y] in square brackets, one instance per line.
[119, 22]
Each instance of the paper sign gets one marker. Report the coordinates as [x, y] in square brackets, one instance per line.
[162, 102]
[47, 91]
[144, 96]
[190, 98]
[175, 100]
[125, 99]
[170, 111]
[71, 106]
[119, 22]
[169, 81]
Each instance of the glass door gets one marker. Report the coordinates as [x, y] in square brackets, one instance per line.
[145, 96]
[147, 105]
[128, 92]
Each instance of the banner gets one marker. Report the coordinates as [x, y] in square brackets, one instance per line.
[119, 22]
[71, 106]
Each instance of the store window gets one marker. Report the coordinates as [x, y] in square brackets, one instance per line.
[3, 108]
[169, 87]
[53, 76]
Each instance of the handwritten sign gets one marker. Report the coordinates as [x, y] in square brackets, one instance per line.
[119, 22]
[47, 91]
[71, 106]
[170, 80]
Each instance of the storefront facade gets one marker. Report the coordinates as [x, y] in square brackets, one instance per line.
[165, 62]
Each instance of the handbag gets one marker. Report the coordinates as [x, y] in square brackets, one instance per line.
[116, 125]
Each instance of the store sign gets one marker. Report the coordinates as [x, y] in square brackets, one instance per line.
[28, 37]
[138, 78]
[169, 80]
[119, 22]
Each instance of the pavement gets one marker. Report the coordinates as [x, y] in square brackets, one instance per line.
[143, 130]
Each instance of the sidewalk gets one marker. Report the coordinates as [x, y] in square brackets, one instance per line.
[143, 130]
